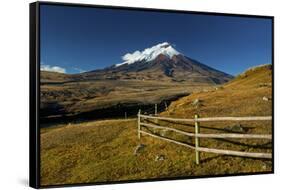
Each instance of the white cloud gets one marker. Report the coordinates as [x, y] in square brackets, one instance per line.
[52, 68]
[79, 70]
[130, 56]
[149, 54]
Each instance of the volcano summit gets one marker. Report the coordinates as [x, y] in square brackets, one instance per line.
[160, 62]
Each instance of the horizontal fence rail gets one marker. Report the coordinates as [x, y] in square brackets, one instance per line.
[211, 150]
[166, 118]
[218, 135]
[198, 135]
[253, 118]
[166, 139]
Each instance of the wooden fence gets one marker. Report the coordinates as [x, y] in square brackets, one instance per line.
[198, 135]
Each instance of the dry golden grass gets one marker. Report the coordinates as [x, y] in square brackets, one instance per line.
[241, 97]
[101, 151]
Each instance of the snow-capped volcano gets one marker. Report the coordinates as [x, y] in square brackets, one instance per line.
[149, 54]
[160, 62]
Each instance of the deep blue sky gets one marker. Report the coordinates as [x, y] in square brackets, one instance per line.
[82, 39]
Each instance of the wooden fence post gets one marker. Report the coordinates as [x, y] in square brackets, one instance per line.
[155, 112]
[197, 130]
[197, 135]
[139, 123]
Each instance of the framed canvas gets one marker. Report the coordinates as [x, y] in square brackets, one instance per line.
[121, 94]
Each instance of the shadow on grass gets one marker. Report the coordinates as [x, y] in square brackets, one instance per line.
[267, 145]
[147, 129]
[206, 160]
[192, 126]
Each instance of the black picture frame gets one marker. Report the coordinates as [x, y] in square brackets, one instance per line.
[34, 93]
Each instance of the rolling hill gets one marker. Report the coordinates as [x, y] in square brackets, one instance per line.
[101, 151]
[250, 91]
[156, 75]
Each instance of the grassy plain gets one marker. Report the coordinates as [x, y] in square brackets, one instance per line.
[100, 151]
